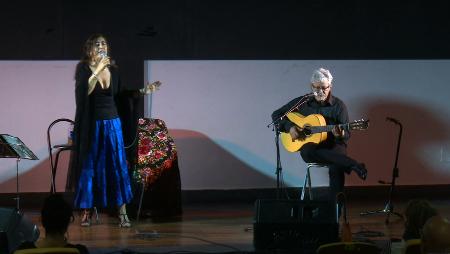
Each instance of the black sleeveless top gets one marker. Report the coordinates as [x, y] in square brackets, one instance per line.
[104, 105]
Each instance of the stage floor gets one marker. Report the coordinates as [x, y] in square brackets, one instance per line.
[218, 228]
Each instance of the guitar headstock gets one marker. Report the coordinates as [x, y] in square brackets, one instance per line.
[359, 124]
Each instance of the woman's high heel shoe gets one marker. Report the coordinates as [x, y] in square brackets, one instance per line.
[86, 218]
[124, 222]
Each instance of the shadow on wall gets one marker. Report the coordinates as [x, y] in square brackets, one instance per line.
[206, 165]
[203, 165]
[37, 179]
[377, 146]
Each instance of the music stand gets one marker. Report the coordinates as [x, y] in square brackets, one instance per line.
[13, 147]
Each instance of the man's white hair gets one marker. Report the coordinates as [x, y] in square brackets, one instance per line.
[321, 75]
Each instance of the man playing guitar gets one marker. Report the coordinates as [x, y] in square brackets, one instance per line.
[332, 150]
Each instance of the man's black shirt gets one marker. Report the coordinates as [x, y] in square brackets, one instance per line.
[333, 110]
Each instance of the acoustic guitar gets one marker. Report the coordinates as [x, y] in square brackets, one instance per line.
[315, 129]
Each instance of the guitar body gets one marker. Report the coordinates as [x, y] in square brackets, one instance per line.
[302, 121]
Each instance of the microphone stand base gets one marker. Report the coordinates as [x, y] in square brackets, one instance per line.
[388, 210]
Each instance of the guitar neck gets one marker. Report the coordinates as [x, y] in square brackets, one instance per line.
[328, 128]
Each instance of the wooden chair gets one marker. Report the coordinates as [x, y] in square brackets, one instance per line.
[59, 148]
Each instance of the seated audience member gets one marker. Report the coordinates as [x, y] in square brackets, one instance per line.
[436, 236]
[417, 212]
[56, 214]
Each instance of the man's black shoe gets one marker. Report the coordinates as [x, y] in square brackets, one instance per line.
[360, 170]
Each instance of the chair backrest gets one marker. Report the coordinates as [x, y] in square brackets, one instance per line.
[349, 247]
[49, 138]
[68, 146]
[413, 246]
[50, 250]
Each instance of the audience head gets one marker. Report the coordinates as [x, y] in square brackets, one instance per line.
[436, 235]
[56, 214]
[417, 212]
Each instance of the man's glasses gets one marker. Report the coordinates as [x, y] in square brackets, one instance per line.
[318, 88]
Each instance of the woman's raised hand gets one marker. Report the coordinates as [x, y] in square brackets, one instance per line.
[151, 87]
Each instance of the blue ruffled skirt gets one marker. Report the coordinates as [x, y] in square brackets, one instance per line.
[104, 179]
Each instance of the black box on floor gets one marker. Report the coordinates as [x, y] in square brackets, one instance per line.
[294, 224]
[15, 228]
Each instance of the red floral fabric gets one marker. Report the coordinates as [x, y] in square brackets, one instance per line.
[156, 151]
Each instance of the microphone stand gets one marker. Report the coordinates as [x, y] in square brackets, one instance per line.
[279, 168]
[389, 208]
[17, 198]
[276, 128]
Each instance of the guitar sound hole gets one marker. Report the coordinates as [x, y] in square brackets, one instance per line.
[307, 131]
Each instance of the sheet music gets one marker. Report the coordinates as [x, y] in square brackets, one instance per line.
[15, 148]
[5, 150]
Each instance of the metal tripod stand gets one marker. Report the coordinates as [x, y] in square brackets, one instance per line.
[389, 207]
[275, 124]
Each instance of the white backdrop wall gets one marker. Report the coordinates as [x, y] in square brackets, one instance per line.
[218, 111]
[32, 95]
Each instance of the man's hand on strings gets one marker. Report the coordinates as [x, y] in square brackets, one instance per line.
[297, 133]
[338, 131]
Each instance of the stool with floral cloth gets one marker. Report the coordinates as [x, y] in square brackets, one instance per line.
[157, 169]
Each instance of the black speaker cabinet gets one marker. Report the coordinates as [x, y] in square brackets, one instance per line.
[294, 224]
[15, 229]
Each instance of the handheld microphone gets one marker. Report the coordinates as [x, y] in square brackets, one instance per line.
[310, 94]
[103, 54]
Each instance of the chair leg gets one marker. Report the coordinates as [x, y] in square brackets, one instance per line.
[309, 184]
[55, 167]
[302, 197]
[52, 180]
